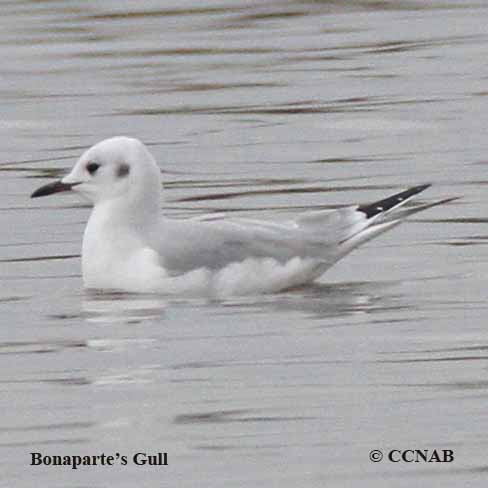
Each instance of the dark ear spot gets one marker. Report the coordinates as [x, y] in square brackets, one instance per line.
[123, 170]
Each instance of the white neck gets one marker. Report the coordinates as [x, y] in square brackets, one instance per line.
[114, 231]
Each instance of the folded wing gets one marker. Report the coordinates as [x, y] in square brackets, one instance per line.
[320, 236]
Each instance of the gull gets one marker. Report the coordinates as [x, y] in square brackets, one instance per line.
[128, 245]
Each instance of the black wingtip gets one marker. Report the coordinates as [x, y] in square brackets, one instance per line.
[386, 204]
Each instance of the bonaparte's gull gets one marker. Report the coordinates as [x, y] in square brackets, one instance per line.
[129, 246]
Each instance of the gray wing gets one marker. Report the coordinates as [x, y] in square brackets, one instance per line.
[189, 244]
[324, 236]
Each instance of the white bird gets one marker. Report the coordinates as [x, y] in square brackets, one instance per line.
[129, 246]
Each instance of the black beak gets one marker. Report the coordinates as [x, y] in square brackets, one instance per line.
[54, 187]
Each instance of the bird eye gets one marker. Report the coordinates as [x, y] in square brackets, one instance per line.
[92, 167]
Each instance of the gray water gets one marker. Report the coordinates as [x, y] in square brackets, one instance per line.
[259, 109]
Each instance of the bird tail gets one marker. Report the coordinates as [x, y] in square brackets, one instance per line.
[407, 212]
[386, 214]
